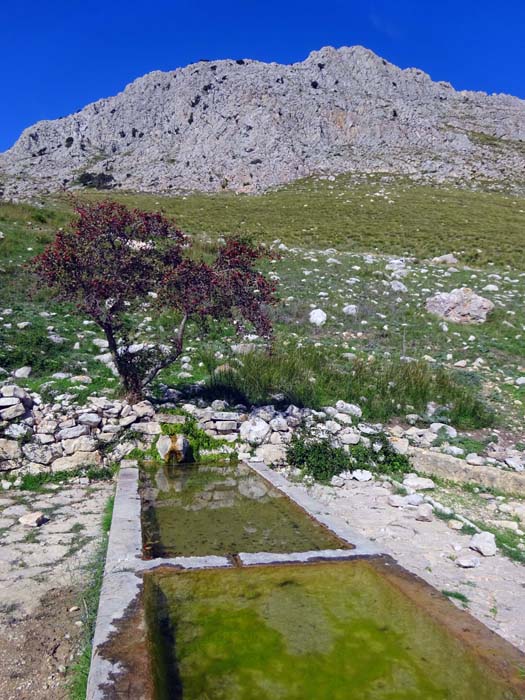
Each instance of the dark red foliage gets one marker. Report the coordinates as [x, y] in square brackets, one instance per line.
[109, 258]
[112, 258]
[228, 288]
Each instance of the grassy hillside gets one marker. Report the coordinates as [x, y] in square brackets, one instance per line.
[486, 230]
[389, 215]
[372, 214]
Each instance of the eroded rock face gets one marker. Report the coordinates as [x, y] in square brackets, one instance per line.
[460, 306]
[247, 126]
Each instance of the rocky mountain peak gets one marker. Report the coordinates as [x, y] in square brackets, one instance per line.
[246, 125]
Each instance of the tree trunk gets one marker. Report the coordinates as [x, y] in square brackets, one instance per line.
[133, 387]
[131, 381]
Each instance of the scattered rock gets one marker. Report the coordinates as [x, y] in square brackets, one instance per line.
[455, 524]
[400, 445]
[317, 317]
[447, 259]
[418, 483]
[449, 431]
[362, 475]
[425, 513]
[350, 310]
[22, 372]
[396, 501]
[33, 519]
[460, 305]
[484, 543]
[467, 562]
[244, 348]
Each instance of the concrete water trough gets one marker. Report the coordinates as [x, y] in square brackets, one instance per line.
[183, 625]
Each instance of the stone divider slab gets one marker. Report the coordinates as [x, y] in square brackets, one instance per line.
[455, 469]
[260, 558]
[208, 562]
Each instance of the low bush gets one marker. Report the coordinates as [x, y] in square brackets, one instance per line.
[317, 458]
[321, 460]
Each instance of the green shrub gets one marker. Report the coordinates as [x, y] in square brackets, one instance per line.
[317, 458]
[320, 459]
[384, 461]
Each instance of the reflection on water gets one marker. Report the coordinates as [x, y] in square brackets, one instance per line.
[209, 509]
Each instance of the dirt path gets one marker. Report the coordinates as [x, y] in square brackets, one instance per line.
[42, 572]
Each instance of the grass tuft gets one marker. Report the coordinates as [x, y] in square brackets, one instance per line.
[38, 482]
[90, 598]
[456, 595]
[383, 388]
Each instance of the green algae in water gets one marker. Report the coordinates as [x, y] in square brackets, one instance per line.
[196, 510]
[324, 632]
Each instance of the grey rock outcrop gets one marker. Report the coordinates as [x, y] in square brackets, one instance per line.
[247, 126]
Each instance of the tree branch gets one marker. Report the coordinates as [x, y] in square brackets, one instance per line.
[170, 358]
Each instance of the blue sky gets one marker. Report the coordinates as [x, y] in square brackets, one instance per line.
[57, 56]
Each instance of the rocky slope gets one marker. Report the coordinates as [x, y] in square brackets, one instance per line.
[247, 126]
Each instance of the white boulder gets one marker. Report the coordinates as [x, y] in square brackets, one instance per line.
[318, 317]
[254, 431]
